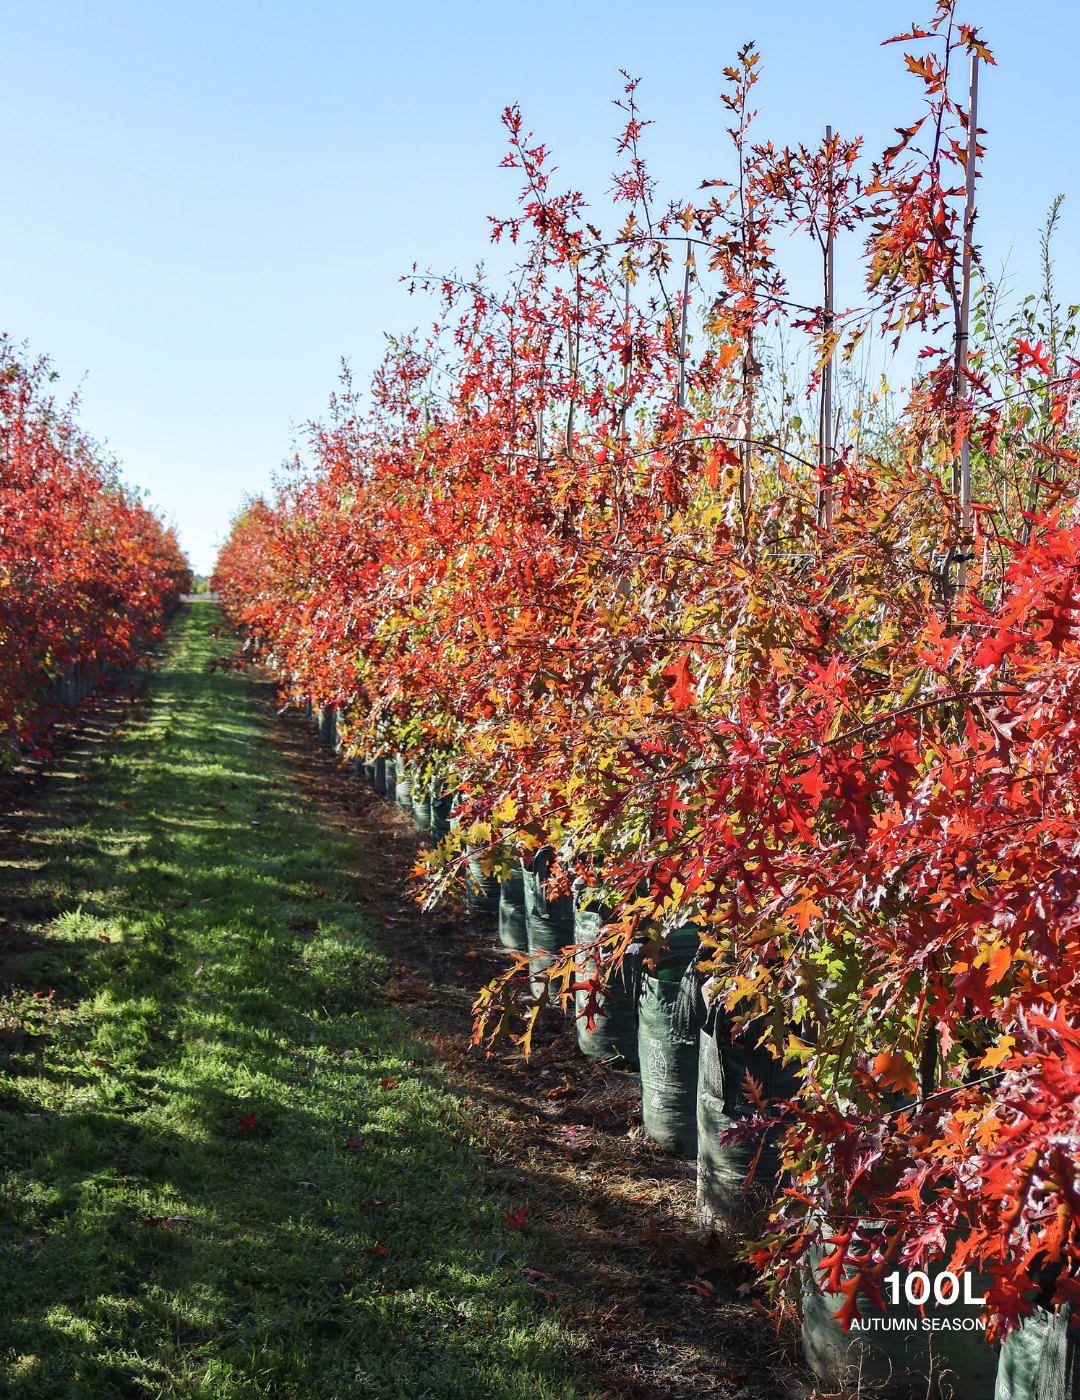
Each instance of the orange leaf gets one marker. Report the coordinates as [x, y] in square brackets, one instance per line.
[680, 692]
[895, 1070]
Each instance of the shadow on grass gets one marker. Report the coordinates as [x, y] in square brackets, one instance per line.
[227, 1170]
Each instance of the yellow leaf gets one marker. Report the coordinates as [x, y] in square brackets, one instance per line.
[1001, 1051]
[796, 1050]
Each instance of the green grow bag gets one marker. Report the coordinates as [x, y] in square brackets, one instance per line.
[421, 807]
[725, 1188]
[380, 776]
[481, 891]
[391, 779]
[1041, 1359]
[938, 1350]
[549, 923]
[667, 1041]
[614, 1032]
[441, 809]
[403, 790]
[512, 931]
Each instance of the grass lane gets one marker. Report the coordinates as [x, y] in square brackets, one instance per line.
[226, 1170]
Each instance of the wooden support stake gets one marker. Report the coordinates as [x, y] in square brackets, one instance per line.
[965, 313]
[825, 434]
[682, 333]
[629, 357]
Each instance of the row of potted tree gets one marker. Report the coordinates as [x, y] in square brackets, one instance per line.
[88, 574]
[790, 666]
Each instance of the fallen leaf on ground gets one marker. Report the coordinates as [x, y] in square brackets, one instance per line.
[702, 1287]
[562, 1091]
[101, 1064]
[516, 1218]
[473, 956]
[535, 1274]
[378, 1252]
[248, 1124]
[355, 1144]
[184, 905]
[309, 1185]
[387, 1083]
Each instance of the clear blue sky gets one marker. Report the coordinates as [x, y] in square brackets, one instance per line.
[205, 206]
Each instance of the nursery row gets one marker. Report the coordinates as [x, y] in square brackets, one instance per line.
[652, 1017]
[690, 645]
[87, 572]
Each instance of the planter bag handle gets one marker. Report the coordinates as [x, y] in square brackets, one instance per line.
[684, 1016]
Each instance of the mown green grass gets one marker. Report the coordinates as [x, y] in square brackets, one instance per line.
[257, 996]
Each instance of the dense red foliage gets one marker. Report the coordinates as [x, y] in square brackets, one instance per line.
[616, 590]
[87, 572]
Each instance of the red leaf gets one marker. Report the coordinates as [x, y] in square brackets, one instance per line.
[516, 1218]
[248, 1125]
[680, 691]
